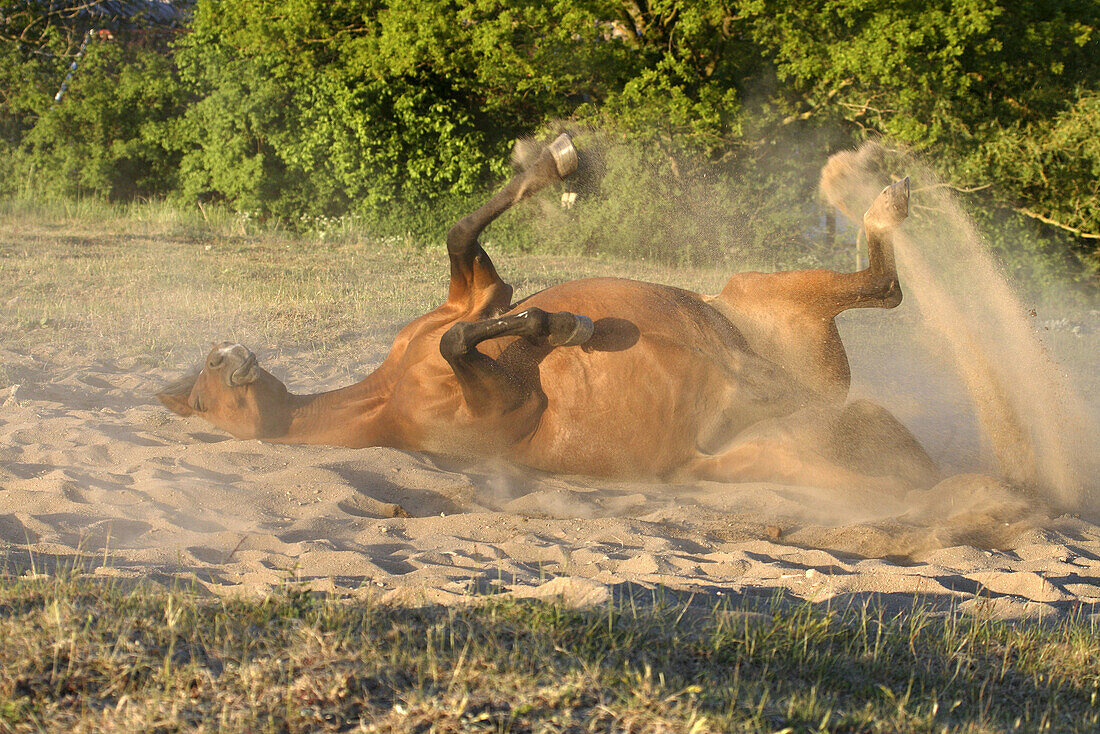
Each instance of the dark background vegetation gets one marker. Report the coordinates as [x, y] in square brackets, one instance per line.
[403, 113]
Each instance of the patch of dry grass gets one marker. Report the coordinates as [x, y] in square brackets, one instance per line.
[159, 285]
[88, 656]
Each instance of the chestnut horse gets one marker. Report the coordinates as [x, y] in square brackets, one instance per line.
[606, 376]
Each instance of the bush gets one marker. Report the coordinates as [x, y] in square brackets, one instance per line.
[109, 135]
[717, 115]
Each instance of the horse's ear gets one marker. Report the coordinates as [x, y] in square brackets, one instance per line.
[174, 396]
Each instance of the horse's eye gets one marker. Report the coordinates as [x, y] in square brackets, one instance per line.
[196, 403]
[216, 360]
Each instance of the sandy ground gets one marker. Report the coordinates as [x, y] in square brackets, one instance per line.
[94, 472]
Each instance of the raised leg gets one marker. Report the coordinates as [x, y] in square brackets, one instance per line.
[474, 281]
[488, 386]
[787, 317]
[877, 285]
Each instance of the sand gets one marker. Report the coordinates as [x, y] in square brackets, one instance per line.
[94, 473]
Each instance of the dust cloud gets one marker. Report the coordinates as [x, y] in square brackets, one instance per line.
[1035, 427]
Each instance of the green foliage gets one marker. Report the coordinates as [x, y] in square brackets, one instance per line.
[312, 108]
[1002, 95]
[108, 134]
[30, 72]
[1053, 165]
[404, 113]
[689, 75]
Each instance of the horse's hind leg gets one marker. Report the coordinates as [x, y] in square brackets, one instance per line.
[474, 281]
[877, 285]
[787, 317]
[861, 446]
[490, 387]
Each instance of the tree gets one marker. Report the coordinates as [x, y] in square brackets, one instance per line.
[1000, 94]
[106, 134]
[310, 107]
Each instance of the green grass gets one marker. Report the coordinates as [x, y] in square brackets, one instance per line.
[86, 655]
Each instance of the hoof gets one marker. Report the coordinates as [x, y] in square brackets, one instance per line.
[899, 195]
[580, 332]
[890, 208]
[565, 155]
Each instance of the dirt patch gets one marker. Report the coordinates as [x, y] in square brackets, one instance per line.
[93, 472]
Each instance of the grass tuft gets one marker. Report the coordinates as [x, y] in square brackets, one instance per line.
[85, 654]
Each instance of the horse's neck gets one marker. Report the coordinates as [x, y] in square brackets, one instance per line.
[342, 417]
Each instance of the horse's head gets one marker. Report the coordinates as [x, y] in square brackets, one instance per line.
[233, 392]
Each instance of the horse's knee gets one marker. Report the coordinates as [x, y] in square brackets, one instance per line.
[870, 437]
[454, 343]
[884, 289]
[535, 323]
[461, 236]
[891, 294]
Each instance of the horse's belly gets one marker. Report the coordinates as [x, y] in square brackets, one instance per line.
[622, 414]
[663, 375]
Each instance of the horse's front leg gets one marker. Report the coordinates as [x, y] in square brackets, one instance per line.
[475, 284]
[491, 387]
